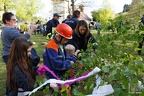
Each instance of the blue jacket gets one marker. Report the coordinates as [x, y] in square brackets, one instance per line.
[55, 59]
[72, 22]
[80, 42]
[51, 23]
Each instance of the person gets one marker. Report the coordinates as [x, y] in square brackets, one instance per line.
[20, 73]
[55, 56]
[141, 43]
[81, 36]
[142, 19]
[72, 22]
[9, 33]
[52, 24]
[98, 27]
[70, 49]
[68, 17]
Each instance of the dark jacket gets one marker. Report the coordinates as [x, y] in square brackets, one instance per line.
[142, 20]
[55, 59]
[51, 23]
[21, 81]
[81, 42]
[72, 22]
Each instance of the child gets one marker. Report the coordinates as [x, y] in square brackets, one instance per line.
[20, 73]
[70, 49]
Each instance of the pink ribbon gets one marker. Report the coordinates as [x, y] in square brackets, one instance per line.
[44, 68]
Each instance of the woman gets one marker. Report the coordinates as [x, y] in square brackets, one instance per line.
[81, 36]
[20, 74]
[9, 33]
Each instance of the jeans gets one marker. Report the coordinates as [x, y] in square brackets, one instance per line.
[5, 59]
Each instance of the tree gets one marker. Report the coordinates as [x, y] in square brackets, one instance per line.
[6, 5]
[136, 9]
[26, 9]
[104, 13]
[72, 4]
[126, 8]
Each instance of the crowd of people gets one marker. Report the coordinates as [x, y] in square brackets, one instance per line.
[67, 39]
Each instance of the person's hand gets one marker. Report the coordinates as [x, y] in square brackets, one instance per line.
[32, 29]
[35, 27]
[20, 89]
[77, 51]
[71, 62]
[53, 85]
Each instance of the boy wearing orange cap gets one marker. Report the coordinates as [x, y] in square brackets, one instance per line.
[55, 56]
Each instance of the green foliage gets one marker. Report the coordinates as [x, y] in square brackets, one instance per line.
[7, 5]
[115, 56]
[23, 27]
[118, 65]
[26, 9]
[104, 13]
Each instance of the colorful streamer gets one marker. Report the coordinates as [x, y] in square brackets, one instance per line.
[95, 70]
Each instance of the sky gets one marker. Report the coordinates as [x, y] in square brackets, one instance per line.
[116, 5]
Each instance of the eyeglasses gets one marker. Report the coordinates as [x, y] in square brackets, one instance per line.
[14, 19]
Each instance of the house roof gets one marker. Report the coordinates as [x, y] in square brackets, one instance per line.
[84, 16]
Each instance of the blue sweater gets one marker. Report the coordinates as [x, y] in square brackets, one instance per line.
[8, 35]
[55, 59]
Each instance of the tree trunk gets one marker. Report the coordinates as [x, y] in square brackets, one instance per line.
[68, 8]
[72, 1]
[5, 8]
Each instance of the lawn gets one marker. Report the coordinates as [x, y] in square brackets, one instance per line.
[38, 39]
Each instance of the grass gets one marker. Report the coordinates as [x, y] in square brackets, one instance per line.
[40, 48]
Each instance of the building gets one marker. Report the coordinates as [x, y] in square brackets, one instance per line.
[61, 7]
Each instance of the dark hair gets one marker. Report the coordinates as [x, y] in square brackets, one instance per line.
[7, 16]
[76, 14]
[84, 24]
[18, 57]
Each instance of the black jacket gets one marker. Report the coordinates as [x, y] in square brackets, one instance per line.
[81, 42]
[72, 22]
[51, 23]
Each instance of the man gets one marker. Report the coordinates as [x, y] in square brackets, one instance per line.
[55, 56]
[9, 33]
[68, 17]
[72, 22]
[52, 24]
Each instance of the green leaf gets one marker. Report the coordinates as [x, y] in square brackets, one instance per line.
[105, 69]
[139, 64]
[76, 92]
